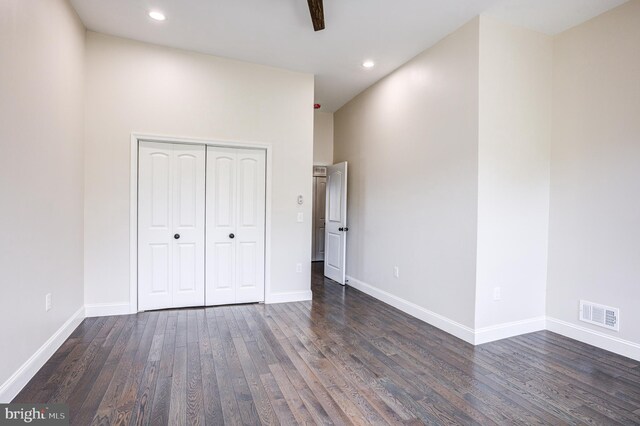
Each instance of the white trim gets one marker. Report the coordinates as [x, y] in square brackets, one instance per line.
[595, 338]
[106, 309]
[294, 296]
[468, 334]
[443, 323]
[133, 227]
[508, 329]
[21, 377]
[133, 205]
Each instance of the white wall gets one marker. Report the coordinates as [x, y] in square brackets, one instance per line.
[594, 242]
[412, 145]
[41, 175]
[513, 177]
[137, 87]
[322, 138]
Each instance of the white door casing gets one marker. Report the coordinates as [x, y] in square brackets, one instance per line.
[336, 223]
[171, 224]
[235, 225]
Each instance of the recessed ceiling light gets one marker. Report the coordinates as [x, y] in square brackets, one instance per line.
[158, 16]
[368, 64]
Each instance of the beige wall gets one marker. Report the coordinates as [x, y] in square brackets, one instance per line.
[594, 242]
[412, 145]
[323, 138]
[449, 177]
[551, 141]
[513, 177]
[137, 87]
[41, 173]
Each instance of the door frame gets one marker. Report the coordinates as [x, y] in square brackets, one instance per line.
[136, 138]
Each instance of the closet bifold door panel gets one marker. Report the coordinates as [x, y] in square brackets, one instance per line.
[171, 225]
[235, 225]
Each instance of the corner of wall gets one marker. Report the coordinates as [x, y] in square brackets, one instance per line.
[19, 379]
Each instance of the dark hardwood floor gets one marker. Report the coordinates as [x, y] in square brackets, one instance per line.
[344, 358]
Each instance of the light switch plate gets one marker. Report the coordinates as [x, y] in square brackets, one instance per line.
[300, 217]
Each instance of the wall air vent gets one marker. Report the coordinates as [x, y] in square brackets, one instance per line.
[601, 315]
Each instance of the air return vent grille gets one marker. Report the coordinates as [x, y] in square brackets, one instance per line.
[601, 315]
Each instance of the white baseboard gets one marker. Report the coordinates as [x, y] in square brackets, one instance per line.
[468, 334]
[443, 323]
[107, 309]
[21, 377]
[509, 329]
[293, 296]
[506, 330]
[595, 338]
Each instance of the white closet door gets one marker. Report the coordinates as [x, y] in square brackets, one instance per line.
[250, 226]
[155, 266]
[188, 223]
[170, 225]
[221, 224]
[235, 225]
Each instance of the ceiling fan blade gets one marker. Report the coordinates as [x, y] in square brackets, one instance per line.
[317, 14]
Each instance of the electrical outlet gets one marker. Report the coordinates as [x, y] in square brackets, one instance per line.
[396, 272]
[298, 267]
[496, 294]
[47, 302]
[300, 217]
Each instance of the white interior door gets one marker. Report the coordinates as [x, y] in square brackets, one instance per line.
[319, 212]
[171, 223]
[336, 223]
[235, 225]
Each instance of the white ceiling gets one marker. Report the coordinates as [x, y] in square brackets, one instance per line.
[279, 32]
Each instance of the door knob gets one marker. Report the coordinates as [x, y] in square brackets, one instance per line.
[232, 236]
[340, 229]
[176, 236]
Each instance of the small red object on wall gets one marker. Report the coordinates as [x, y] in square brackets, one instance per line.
[316, 106]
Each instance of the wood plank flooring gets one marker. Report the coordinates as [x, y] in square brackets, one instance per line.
[344, 358]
